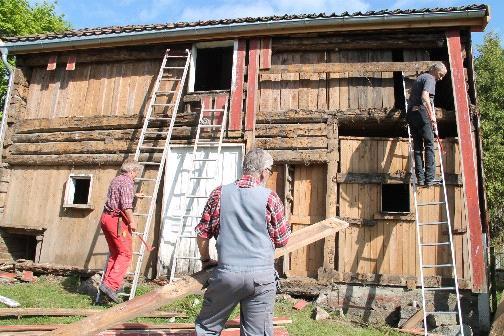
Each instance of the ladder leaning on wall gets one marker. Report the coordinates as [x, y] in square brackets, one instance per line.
[153, 130]
[441, 206]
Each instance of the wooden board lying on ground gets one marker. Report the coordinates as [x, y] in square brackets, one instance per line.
[498, 323]
[185, 286]
[18, 312]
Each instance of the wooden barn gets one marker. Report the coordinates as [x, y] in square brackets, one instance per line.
[323, 93]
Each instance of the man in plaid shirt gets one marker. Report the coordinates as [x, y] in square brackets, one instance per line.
[117, 223]
[248, 222]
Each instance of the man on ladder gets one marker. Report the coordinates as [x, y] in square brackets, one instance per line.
[117, 224]
[248, 222]
[422, 121]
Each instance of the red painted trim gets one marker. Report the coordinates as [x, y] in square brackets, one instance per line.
[51, 65]
[265, 59]
[236, 105]
[469, 171]
[71, 63]
[252, 75]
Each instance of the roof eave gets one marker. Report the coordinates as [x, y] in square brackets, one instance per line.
[474, 19]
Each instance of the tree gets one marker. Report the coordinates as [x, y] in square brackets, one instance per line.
[18, 17]
[489, 66]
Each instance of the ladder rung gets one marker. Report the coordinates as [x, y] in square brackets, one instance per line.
[122, 294]
[190, 216]
[161, 104]
[149, 147]
[172, 67]
[192, 258]
[155, 132]
[196, 196]
[209, 126]
[437, 265]
[434, 244]
[192, 236]
[212, 110]
[149, 163]
[208, 143]
[432, 223]
[165, 92]
[144, 179]
[176, 56]
[430, 203]
[143, 196]
[441, 312]
[171, 79]
[201, 177]
[159, 118]
[438, 288]
[205, 160]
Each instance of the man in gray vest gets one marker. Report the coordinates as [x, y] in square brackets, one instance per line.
[248, 222]
[421, 118]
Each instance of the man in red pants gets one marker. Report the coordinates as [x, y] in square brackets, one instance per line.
[117, 223]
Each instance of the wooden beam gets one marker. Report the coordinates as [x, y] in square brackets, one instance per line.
[236, 105]
[416, 66]
[468, 153]
[299, 156]
[413, 320]
[184, 286]
[265, 58]
[252, 84]
[19, 312]
[379, 178]
[332, 188]
[292, 143]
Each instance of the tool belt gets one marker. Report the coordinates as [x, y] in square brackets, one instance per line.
[121, 216]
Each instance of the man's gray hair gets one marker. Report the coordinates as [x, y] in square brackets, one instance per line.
[439, 66]
[256, 160]
[130, 165]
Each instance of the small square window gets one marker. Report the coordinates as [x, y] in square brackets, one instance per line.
[395, 198]
[78, 191]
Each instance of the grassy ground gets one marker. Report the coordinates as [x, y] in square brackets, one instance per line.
[50, 292]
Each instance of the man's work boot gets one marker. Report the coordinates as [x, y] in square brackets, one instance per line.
[110, 293]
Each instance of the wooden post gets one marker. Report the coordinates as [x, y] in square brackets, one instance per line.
[469, 171]
[236, 105]
[186, 285]
[265, 59]
[252, 84]
[332, 186]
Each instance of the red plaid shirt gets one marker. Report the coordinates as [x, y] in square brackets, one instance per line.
[120, 193]
[278, 227]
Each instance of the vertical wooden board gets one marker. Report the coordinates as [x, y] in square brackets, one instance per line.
[289, 92]
[125, 89]
[79, 87]
[344, 98]
[409, 55]
[354, 83]
[334, 82]
[59, 75]
[48, 90]
[393, 247]
[134, 86]
[305, 79]
[143, 74]
[375, 92]
[108, 90]
[33, 93]
[89, 103]
[236, 104]
[322, 99]
[40, 90]
[265, 58]
[272, 85]
[252, 84]
[387, 82]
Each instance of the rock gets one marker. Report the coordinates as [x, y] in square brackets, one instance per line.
[90, 286]
[452, 330]
[320, 314]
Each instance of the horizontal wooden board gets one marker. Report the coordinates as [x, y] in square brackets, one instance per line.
[292, 143]
[355, 68]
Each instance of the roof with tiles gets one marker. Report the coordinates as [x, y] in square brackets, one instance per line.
[110, 31]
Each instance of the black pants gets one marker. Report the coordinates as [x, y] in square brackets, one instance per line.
[423, 141]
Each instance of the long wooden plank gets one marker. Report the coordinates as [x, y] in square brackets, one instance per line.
[356, 67]
[184, 286]
[72, 312]
[236, 105]
[252, 84]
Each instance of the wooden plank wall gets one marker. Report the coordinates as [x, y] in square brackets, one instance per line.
[35, 200]
[92, 89]
[389, 247]
[308, 208]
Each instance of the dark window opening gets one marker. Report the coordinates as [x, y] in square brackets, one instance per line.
[395, 198]
[397, 56]
[213, 69]
[17, 246]
[81, 193]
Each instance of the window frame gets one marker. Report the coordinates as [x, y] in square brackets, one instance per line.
[70, 191]
[207, 45]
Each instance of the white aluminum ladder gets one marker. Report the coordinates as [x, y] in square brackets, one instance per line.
[155, 121]
[206, 122]
[421, 244]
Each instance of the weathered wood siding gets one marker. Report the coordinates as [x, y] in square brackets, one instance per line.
[389, 246]
[72, 236]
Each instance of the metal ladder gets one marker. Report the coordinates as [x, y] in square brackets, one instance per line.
[144, 150]
[444, 224]
[205, 122]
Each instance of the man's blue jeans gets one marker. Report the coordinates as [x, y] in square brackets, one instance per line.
[423, 141]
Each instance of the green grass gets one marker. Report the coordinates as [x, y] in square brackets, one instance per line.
[51, 292]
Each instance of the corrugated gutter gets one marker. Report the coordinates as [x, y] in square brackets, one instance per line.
[257, 28]
[3, 126]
